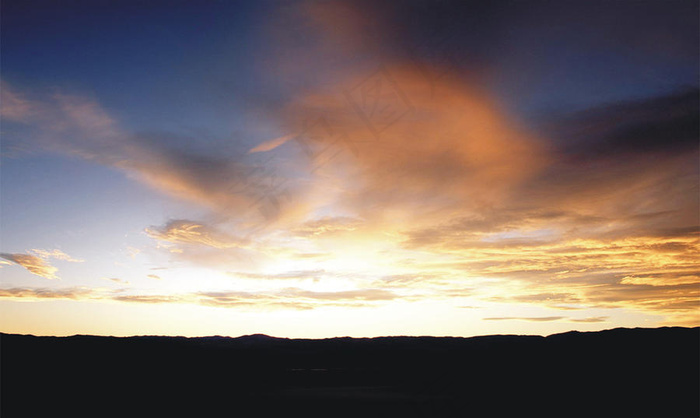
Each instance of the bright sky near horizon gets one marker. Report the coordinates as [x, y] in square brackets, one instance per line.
[332, 168]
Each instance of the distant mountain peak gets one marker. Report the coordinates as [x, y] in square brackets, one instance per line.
[257, 337]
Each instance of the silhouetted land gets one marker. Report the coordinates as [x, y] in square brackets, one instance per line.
[619, 372]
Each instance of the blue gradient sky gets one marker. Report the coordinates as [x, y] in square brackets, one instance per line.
[539, 173]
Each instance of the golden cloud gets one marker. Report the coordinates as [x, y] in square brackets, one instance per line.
[189, 232]
[290, 298]
[73, 293]
[56, 254]
[33, 264]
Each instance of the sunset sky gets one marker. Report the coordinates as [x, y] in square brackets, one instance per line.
[331, 168]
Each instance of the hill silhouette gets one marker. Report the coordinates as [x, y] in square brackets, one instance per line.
[640, 372]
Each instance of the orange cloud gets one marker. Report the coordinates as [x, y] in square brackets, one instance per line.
[522, 318]
[591, 319]
[188, 232]
[73, 293]
[57, 254]
[395, 142]
[436, 162]
[33, 264]
[37, 261]
[290, 298]
[117, 280]
[271, 144]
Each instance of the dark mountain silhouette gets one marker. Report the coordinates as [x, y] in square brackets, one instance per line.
[615, 373]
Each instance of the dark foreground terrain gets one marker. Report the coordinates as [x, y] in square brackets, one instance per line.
[619, 372]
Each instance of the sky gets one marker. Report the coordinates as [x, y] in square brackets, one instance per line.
[348, 168]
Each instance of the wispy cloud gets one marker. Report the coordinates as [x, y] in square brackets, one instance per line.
[205, 244]
[56, 254]
[133, 251]
[13, 106]
[271, 144]
[226, 184]
[296, 298]
[327, 225]
[590, 319]
[149, 299]
[189, 232]
[117, 280]
[289, 298]
[526, 318]
[360, 294]
[33, 264]
[74, 293]
[37, 262]
[290, 275]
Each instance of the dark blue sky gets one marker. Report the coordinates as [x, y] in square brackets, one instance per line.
[155, 62]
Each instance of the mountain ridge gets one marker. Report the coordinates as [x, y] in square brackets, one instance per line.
[620, 372]
[267, 336]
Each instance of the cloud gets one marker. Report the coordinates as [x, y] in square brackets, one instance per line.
[290, 275]
[37, 262]
[271, 144]
[327, 225]
[360, 294]
[427, 152]
[607, 204]
[73, 293]
[307, 255]
[13, 105]
[250, 301]
[82, 293]
[207, 245]
[599, 209]
[194, 233]
[665, 124]
[132, 251]
[590, 319]
[296, 295]
[56, 254]
[218, 183]
[289, 298]
[661, 299]
[153, 276]
[295, 298]
[229, 185]
[607, 223]
[33, 264]
[148, 299]
[117, 280]
[442, 281]
[526, 318]
[663, 279]
[551, 297]
[639, 273]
